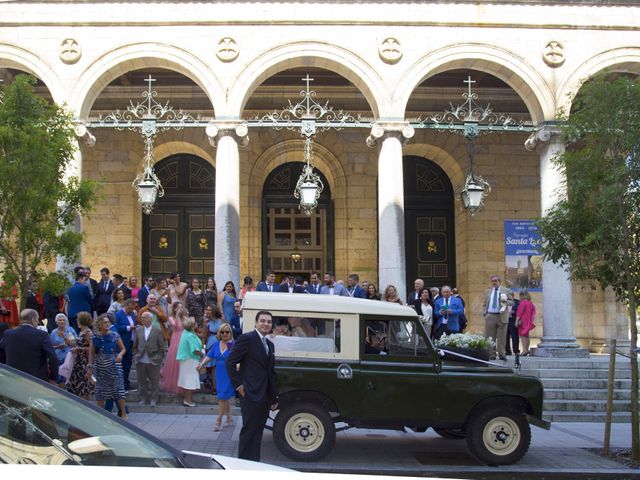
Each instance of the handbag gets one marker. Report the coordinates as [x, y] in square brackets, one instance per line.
[67, 366]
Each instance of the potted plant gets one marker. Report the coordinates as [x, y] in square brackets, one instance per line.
[468, 344]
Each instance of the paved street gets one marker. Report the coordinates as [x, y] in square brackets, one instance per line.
[566, 451]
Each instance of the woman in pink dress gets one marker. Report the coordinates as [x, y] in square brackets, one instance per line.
[524, 320]
[171, 368]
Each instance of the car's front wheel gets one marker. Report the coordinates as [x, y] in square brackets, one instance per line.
[498, 436]
[304, 432]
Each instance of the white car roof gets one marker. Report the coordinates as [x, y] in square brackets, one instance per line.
[300, 302]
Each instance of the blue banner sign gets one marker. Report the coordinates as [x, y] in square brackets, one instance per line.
[523, 255]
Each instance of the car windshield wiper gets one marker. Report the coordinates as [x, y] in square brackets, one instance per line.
[55, 442]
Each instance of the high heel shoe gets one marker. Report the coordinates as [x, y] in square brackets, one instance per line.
[218, 426]
[229, 422]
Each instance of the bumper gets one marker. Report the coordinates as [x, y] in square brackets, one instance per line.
[538, 422]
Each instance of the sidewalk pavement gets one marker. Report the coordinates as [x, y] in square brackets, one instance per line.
[568, 450]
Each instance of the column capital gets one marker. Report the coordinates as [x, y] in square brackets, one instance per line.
[403, 131]
[216, 129]
[548, 132]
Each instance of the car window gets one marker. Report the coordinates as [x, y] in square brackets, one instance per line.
[305, 334]
[394, 337]
[39, 425]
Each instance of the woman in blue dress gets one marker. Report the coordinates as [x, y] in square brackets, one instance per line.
[105, 363]
[225, 391]
[226, 302]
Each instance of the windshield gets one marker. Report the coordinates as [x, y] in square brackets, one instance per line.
[39, 425]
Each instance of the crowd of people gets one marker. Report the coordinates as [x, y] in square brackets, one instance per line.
[178, 335]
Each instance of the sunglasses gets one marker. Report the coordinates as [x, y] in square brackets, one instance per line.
[226, 332]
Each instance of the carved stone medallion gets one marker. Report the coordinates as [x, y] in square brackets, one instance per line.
[553, 54]
[70, 51]
[390, 50]
[227, 50]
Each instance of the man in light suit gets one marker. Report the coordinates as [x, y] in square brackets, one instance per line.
[255, 382]
[314, 285]
[446, 313]
[496, 304]
[330, 286]
[30, 350]
[149, 350]
[269, 284]
[354, 289]
[126, 325]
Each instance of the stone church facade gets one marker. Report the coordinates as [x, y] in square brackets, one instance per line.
[390, 189]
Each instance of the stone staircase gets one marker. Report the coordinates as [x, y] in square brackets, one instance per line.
[576, 389]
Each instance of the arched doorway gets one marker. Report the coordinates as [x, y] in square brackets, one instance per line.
[178, 236]
[429, 223]
[286, 230]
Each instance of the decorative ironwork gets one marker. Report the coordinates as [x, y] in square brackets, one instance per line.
[308, 117]
[471, 119]
[148, 117]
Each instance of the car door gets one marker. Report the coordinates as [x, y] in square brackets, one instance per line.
[398, 372]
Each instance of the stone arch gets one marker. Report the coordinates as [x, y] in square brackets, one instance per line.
[625, 59]
[505, 65]
[19, 58]
[113, 63]
[308, 54]
[167, 149]
[441, 157]
[279, 154]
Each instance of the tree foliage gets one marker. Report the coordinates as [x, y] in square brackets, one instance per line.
[594, 229]
[39, 202]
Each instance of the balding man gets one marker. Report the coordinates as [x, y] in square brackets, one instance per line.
[158, 317]
[414, 296]
[149, 350]
[30, 350]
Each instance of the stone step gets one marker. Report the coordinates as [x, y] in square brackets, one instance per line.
[582, 383]
[574, 373]
[585, 406]
[594, 417]
[180, 409]
[199, 397]
[530, 363]
[584, 394]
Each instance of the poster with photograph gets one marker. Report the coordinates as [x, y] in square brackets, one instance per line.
[523, 255]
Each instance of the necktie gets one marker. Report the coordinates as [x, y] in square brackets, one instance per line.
[270, 289]
[106, 284]
[266, 347]
[494, 301]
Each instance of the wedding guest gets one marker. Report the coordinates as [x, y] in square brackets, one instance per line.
[171, 369]
[219, 353]
[247, 286]
[63, 339]
[177, 289]
[196, 301]
[372, 292]
[158, 317]
[79, 382]
[391, 295]
[149, 350]
[226, 300]
[188, 356]
[161, 291]
[424, 309]
[135, 289]
[118, 297]
[211, 292]
[213, 319]
[525, 315]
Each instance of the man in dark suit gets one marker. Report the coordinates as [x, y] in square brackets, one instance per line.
[291, 286]
[414, 295]
[354, 289]
[269, 284]
[91, 283]
[255, 382]
[30, 350]
[126, 325]
[149, 350]
[143, 293]
[79, 299]
[118, 281]
[314, 285]
[103, 292]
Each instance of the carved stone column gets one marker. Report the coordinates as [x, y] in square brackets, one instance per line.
[391, 243]
[558, 339]
[227, 137]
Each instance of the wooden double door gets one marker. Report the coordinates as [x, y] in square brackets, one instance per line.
[429, 224]
[179, 235]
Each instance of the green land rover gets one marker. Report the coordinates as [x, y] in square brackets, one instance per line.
[344, 362]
